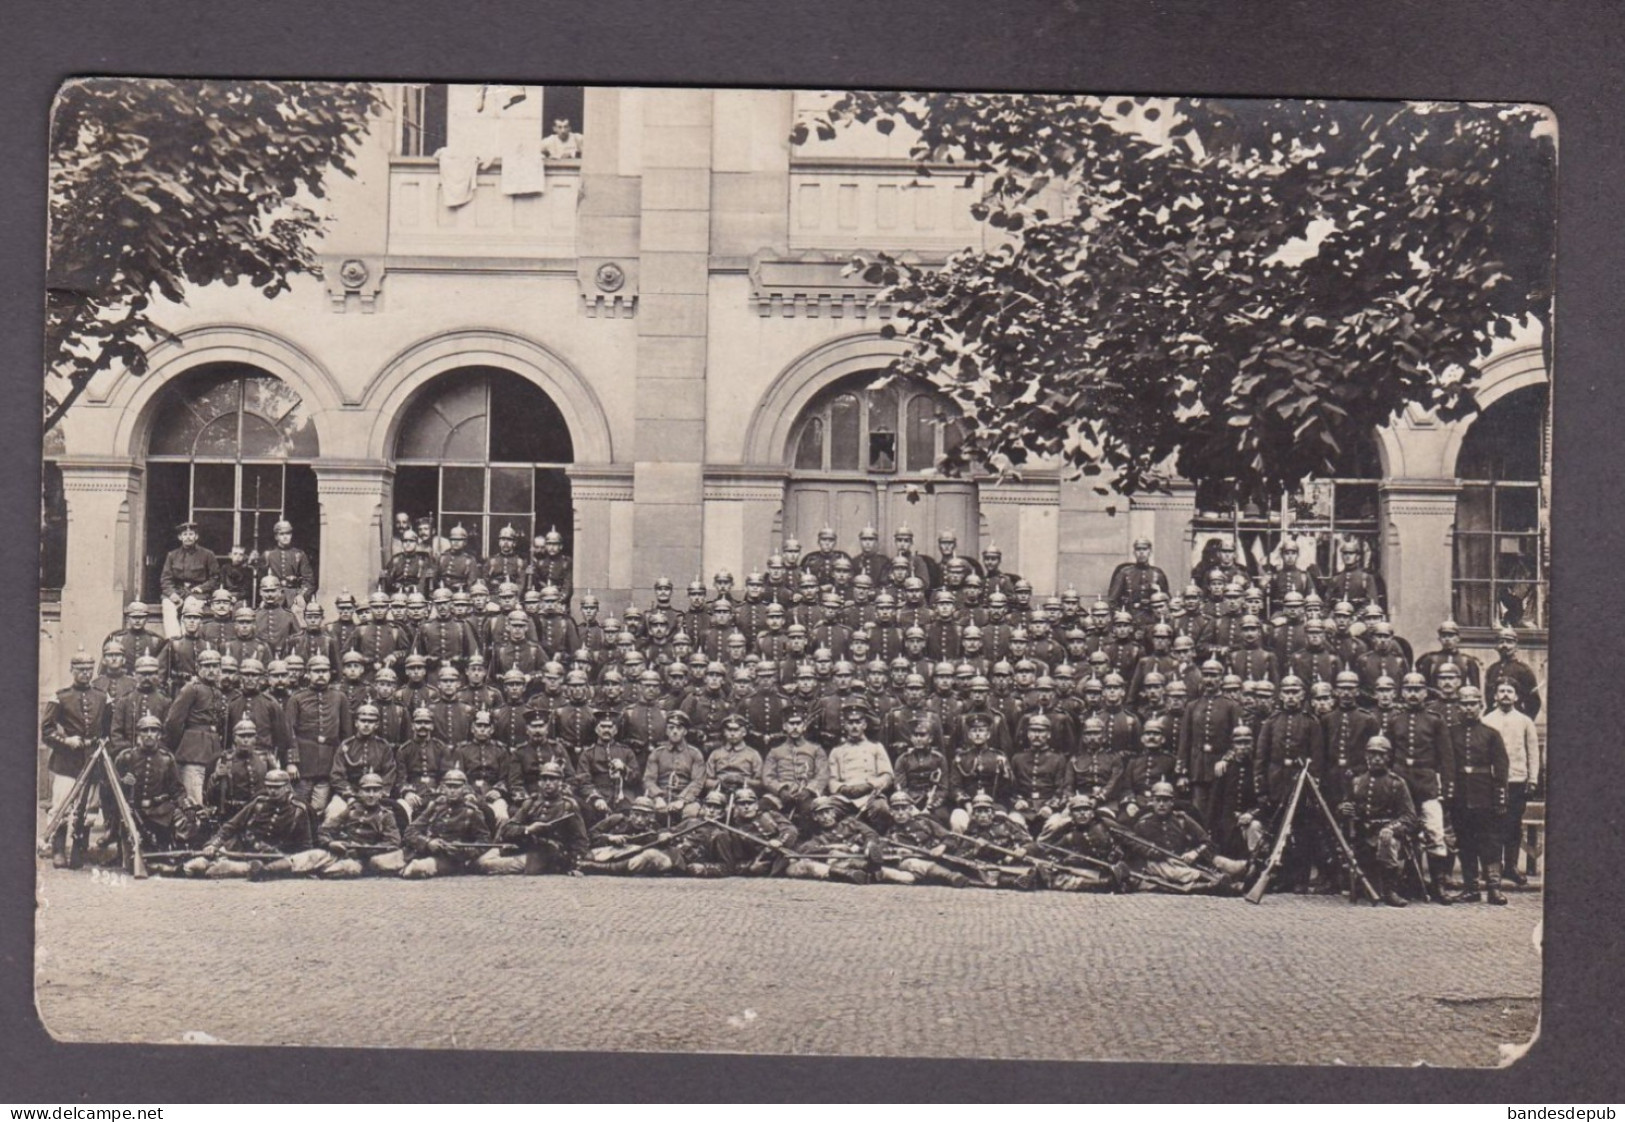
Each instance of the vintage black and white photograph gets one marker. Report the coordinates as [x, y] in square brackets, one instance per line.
[833, 572]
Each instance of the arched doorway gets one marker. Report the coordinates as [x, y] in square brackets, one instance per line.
[484, 448]
[231, 449]
[861, 455]
[1500, 562]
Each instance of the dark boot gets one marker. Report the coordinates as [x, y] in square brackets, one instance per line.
[1492, 884]
[1437, 868]
[264, 870]
[1509, 866]
[848, 874]
[1469, 893]
[1387, 890]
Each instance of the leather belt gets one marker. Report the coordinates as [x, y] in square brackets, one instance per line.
[1476, 770]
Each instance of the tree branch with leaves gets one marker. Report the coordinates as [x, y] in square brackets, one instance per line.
[1241, 290]
[160, 185]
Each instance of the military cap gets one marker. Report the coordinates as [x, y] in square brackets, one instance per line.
[716, 798]
[733, 721]
[978, 720]
[1384, 682]
[252, 666]
[824, 802]
[1093, 724]
[1153, 678]
[678, 717]
[1212, 666]
[1114, 679]
[982, 801]
[1413, 680]
[1379, 744]
[149, 721]
[367, 712]
[182, 527]
[276, 777]
[454, 775]
[204, 658]
[345, 599]
[1291, 682]
[385, 675]
[1347, 678]
[448, 674]
[643, 804]
[319, 662]
[372, 781]
[314, 609]
[269, 581]
[1080, 802]
[1092, 684]
[900, 798]
[1449, 668]
[550, 770]
[220, 596]
[145, 664]
[1162, 790]
[1038, 721]
[422, 713]
[1241, 732]
[1506, 633]
[295, 663]
[243, 615]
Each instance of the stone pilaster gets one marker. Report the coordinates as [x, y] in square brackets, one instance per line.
[602, 496]
[1419, 517]
[674, 266]
[355, 527]
[104, 551]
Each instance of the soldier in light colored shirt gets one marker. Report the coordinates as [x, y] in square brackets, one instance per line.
[1522, 742]
[859, 769]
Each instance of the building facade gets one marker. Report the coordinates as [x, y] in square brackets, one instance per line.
[655, 349]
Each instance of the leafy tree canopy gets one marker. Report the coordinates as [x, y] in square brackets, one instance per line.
[1239, 289]
[157, 185]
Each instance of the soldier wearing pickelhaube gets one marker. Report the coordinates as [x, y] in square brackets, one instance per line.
[1133, 582]
[288, 564]
[507, 564]
[145, 699]
[550, 565]
[457, 568]
[410, 570]
[272, 826]
[152, 783]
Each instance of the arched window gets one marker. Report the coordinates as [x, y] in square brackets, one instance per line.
[896, 428]
[1500, 556]
[230, 450]
[860, 455]
[483, 448]
[1320, 516]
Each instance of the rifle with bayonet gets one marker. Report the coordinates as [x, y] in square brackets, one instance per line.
[1210, 876]
[1255, 894]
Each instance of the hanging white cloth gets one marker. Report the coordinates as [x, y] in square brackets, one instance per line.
[458, 174]
[523, 169]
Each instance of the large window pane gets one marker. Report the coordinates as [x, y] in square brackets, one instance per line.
[217, 438]
[511, 490]
[214, 486]
[1473, 604]
[446, 422]
[810, 448]
[882, 451]
[555, 510]
[1473, 557]
[262, 486]
[214, 529]
[1474, 509]
[1517, 508]
[843, 432]
[922, 433]
[526, 427]
[462, 489]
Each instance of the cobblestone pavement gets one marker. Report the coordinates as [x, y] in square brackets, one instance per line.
[782, 967]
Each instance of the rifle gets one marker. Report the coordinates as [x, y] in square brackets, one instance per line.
[132, 830]
[1207, 875]
[983, 843]
[1356, 874]
[766, 843]
[671, 835]
[1107, 866]
[254, 564]
[971, 863]
[1255, 894]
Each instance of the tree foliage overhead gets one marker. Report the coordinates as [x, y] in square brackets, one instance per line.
[1241, 289]
[157, 185]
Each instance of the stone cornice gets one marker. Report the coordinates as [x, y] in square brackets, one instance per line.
[814, 283]
[605, 483]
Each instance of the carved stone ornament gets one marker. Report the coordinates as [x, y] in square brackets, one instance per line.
[610, 277]
[353, 273]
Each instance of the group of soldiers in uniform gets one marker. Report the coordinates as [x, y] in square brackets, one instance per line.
[869, 717]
